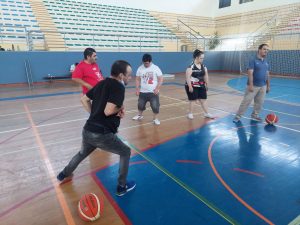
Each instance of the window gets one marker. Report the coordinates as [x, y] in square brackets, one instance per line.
[244, 1]
[224, 3]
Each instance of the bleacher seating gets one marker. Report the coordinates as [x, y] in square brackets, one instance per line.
[103, 26]
[76, 24]
[17, 20]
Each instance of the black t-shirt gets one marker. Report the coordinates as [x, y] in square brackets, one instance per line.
[108, 90]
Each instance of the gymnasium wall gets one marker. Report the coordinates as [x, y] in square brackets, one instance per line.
[58, 63]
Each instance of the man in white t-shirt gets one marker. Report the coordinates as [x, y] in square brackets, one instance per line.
[149, 78]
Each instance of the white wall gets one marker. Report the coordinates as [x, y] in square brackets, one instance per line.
[174, 6]
[211, 7]
[206, 8]
[195, 7]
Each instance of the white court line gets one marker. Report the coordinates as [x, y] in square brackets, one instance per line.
[41, 110]
[49, 109]
[172, 118]
[263, 108]
[298, 131]
[249, 133]
[270, 99]
[125, 128]
[31, 148]
[149, 122]
[288, 128]
[19, 129]
[69, 121]
[278, 96]
[267, 139]
[281, 112]
[284, 144]
[287, 103]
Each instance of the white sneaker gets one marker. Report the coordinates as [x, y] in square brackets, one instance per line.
[208, 115]
[190, 116]
[156, 122]
[137, 117]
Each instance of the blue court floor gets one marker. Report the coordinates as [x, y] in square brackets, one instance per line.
[221, 173]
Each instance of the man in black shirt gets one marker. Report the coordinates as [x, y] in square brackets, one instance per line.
[104, 102]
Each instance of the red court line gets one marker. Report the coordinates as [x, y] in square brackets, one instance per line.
[18, 205]
[249, 172]
[111, 200]
[189, 161]
[106, 192]
[30, 198]
[138, 162]
[227, 186]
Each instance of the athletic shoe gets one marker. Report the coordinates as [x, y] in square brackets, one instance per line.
[190, 116]
[156, 122]
[236, 119]
[122, 190]
[137, 117]
[208, 115]
[256, 118]
[61, 176]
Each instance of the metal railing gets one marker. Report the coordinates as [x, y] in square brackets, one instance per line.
[192, 35]
[76, 41]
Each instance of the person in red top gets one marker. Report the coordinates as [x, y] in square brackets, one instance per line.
[87, 72]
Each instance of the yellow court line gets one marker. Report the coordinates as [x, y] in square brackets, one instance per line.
[296, 221]
[51, 173]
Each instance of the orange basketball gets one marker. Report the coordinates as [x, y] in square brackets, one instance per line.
[89, 207]
[271, 119]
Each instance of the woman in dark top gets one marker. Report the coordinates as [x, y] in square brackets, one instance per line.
[197, 83]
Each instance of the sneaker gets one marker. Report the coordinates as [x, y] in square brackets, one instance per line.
[138, 117]
[256, 118]
[208, 115]
[190, 116]
[156, 122]
[236, 119]
[61, 176]
[130, 185]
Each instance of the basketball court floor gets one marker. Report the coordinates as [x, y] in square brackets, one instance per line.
[197, 171]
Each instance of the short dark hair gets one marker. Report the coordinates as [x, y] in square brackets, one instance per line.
[197, 53]
[119, 66]
[147, 58]
[262, 45]
[88, 52]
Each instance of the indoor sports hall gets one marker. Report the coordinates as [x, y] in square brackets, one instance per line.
[199, 170]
